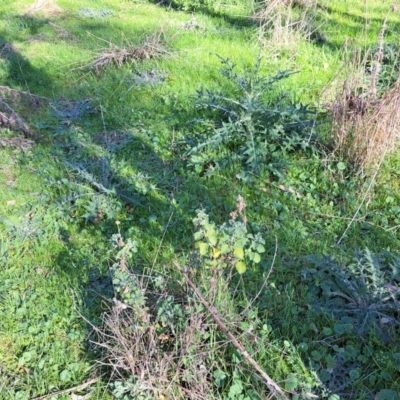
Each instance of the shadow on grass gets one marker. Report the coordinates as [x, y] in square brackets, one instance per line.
[18, 71]
[238, 22]
[109, 177]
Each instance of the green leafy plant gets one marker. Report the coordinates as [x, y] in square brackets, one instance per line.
[130, 389]
[362, 295]
[255, 127]
[229, 244]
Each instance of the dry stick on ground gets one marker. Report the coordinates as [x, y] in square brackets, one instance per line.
[16, 92]
[273, 387]
[65, 391]
[10, 119]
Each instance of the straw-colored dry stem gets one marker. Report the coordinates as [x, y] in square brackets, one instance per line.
[153, 46]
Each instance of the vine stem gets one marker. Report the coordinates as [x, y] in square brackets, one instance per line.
[272, 385]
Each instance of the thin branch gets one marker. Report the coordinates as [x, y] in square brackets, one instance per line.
[13, 120]
[69, 390]
[21, 92]
[273, 387]
[265, 280]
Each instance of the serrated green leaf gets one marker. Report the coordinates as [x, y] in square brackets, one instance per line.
[225, 248]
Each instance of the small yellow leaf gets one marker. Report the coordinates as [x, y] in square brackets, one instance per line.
[203, 248]
[239, 253]
[241, 267]
[216, 252]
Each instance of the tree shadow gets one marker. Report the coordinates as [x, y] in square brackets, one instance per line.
[238, 22]
[351, 23]
[19, 72]
[110, 177]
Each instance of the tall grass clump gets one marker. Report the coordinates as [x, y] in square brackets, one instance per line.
[366, 115]
[282, 23]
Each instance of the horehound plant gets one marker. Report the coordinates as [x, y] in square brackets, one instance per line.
[154, 341]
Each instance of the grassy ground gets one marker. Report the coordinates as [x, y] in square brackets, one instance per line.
[109, 156]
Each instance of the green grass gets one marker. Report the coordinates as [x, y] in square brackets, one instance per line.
[125, 161]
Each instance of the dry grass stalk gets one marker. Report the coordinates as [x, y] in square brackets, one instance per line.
[172, 364]
[349, 106]
[281, 25]
[382, 131]
[45, 7]
[153, 46]
[155, 359]
[365, 127]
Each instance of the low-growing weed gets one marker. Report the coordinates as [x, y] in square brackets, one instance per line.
[230, 244]
[362, 296]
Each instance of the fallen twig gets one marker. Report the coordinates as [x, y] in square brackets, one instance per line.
[273, 387]
[10, 119]
[69, 390]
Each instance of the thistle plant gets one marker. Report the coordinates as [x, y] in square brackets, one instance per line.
[254, 126]
[365, 293]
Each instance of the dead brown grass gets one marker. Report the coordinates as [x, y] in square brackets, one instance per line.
[63, 34]
[47, 8]
[381, 130]
[365, 126]
[9, 118]
[283, 22]
[152, 46]
[174, 365]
